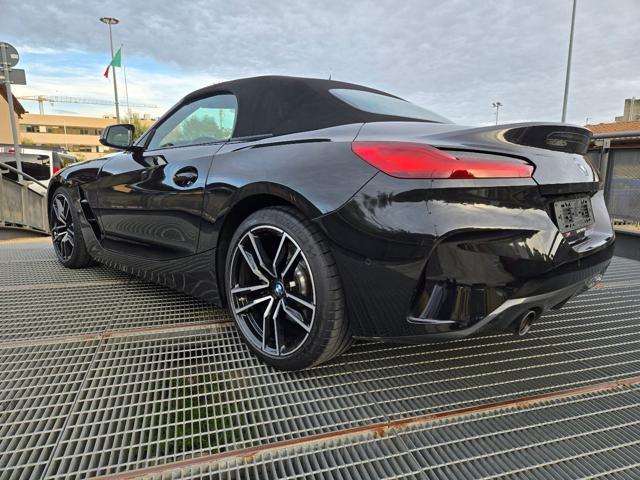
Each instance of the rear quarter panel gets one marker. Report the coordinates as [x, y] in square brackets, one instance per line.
[316, 171]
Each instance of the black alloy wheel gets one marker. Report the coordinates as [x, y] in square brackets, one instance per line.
[284, 290]
[64, 223]
[273, 293]
[62, 227]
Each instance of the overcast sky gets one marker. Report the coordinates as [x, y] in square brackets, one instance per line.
[455, 57]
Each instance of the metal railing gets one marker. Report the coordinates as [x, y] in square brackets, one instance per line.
[21, 206]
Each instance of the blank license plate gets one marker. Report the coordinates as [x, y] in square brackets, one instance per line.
[573, 214]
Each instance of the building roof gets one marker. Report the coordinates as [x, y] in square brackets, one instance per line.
[615, 127]
[17, 106]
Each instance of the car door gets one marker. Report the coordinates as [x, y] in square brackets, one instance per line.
[150, 202]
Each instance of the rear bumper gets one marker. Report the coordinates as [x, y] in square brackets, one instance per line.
[422, 261]
[548, 292]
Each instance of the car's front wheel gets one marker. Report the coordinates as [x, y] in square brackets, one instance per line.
[64, 223]
[284, 290]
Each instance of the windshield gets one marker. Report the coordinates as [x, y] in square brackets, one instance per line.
[386, 105]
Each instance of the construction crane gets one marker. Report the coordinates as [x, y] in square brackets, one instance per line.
[89, 101]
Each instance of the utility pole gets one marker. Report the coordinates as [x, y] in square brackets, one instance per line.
[9, 61]
[497, 106]
[566, 81]
[113, 21]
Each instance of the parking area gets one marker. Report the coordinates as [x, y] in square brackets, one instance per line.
[104, 375]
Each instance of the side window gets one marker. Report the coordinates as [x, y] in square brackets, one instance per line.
[209, 119]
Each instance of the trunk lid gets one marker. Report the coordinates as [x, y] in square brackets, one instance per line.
[556, 150]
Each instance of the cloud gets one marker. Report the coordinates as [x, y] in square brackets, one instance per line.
[87, 82]
[454, 57]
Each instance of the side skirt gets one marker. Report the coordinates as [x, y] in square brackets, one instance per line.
[194, 275]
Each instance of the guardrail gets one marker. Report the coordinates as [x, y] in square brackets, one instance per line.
[21, 206]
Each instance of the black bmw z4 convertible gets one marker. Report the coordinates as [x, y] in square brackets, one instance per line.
[320, 211]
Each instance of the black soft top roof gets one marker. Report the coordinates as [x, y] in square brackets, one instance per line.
[279, 105]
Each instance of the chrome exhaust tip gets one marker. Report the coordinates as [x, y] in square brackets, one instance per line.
[524, 324]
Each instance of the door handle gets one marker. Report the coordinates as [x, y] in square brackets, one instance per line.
[186, 176]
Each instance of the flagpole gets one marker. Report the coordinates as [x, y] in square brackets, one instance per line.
[113, 21]
[126, 87]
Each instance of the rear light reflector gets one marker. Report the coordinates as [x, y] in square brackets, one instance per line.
[56, 169]
[416, 160]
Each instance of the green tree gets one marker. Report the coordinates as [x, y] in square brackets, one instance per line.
[198, 126]
[138, 126]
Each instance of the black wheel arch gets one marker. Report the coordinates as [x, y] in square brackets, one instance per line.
[54, 185]
[243, 203]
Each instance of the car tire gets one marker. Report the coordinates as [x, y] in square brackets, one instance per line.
[66, 233]
[310, 279]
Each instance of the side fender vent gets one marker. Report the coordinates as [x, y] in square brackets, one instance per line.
[89, 215]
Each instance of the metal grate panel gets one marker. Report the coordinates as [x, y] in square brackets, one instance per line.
[38, 387]
[148, 305]
[362, 457]
[50, 272]
[584, 436]
[422, 381]
[150, 400]
[82, 310]
[587, 436]
[142, 392]
[135, 396]
[27, 254]
[622, 270]
[29, 314]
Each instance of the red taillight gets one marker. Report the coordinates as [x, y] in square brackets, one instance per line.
[415, 160]
[56, 169]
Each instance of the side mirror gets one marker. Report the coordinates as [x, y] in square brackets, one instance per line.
[118, 136]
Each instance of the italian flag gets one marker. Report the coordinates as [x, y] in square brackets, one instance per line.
[116, 61]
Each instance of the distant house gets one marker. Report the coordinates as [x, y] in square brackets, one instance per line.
[616, 127]
[77, 135]
[631, 110]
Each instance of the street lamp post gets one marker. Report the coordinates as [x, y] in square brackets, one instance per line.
[113, 21]
[566, 80]
[497, 106]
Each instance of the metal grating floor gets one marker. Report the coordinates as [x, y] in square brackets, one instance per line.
[102, 374]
